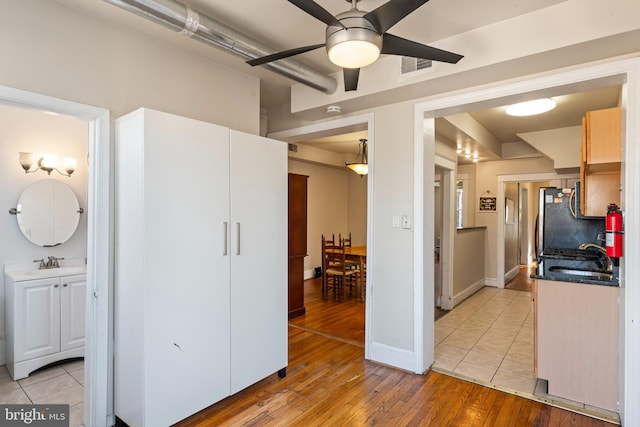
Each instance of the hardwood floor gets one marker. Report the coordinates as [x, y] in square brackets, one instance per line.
[329, 383]
[336, 317]
[522, 281]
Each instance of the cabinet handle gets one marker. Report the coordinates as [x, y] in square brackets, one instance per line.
[225, 232]
[238, 245]
[65, 285]
[56, 286]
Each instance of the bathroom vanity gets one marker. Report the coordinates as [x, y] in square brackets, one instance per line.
[44, 316]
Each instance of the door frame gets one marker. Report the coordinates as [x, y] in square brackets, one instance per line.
[333, 127]
[625, 72]
[98, 378]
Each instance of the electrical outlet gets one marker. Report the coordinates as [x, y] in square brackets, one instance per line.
[406, 221]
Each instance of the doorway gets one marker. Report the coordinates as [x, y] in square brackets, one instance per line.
[98, 401]
[597, 76]
[338, 127]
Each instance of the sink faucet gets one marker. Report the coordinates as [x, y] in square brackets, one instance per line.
[52, 262]
[608, 265]
[42, 264]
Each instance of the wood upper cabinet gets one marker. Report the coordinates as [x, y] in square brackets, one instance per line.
[297, 215]
[603, 132]
[600, 161]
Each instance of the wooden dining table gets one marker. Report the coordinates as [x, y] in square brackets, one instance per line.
[359, 254]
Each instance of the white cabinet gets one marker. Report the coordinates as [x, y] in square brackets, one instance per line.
[45, 321]
[201, 264]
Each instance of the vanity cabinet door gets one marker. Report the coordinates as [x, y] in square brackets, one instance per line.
[37, 318]
[73, 294]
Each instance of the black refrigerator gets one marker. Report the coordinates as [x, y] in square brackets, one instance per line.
[561, 230]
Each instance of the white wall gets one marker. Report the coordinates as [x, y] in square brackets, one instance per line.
[357, 209]
[51, 49]
[487, 179]
[511, 231]
[392, 306]
[468, 275]
[39, 133]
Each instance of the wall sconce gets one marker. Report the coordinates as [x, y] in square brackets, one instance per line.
[46, 163]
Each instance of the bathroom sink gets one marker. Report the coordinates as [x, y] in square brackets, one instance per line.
[585, 274]
[54, 272]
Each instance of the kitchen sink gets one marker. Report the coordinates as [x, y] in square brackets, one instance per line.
[585, 274]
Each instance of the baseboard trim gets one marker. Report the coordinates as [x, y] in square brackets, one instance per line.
[461, 296]
[491, 282]
[511, 273]
[393, 356]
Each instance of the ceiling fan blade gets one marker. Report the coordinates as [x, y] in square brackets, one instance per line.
[317, 11]
[390, 13]
[350, 78]
[283, 54]
[395, 45]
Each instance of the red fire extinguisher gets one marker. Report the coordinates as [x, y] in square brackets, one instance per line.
[614, 231]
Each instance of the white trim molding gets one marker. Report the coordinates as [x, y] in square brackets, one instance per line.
[98, 379]
[347, 124]
[625, 72]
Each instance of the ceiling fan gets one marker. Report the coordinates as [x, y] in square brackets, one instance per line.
[355, 39]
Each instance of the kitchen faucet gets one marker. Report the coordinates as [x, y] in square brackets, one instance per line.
[608, 265]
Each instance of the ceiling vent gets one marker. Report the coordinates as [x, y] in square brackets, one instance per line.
[412, 65]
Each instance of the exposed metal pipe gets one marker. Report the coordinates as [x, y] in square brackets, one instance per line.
[186, 21]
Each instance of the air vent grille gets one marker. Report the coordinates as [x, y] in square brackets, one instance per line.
[410, 65]
[293, 148]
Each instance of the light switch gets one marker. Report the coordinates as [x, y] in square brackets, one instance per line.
[395, 221]
[406, 221]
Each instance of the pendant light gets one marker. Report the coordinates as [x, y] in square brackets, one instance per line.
[360, 167]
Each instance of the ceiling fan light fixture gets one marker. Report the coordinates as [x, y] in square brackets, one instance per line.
[354, 53]
[531, 108]
[355, 45]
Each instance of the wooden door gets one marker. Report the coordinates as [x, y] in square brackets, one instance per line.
[259, 258]
[297, 242]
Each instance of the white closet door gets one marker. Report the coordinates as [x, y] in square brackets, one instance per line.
[187, 266]
[259, 258]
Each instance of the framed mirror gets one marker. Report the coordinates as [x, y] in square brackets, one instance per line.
[48, 212]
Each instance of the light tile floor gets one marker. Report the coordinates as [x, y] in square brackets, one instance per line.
[58, 384]
[489, 338]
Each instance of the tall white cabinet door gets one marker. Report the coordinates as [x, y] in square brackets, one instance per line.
[37, 322]
[259, 258]
[73, 301]
[172, 267]
[187, 265]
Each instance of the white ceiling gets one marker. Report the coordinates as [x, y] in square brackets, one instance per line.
[282, 25]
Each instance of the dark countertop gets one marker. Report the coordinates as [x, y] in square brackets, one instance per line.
[576, 279]
[480, 227]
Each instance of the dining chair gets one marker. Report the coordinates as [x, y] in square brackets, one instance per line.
[338, 274]
[346, 242]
